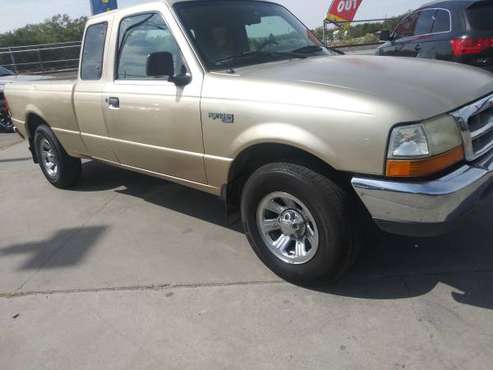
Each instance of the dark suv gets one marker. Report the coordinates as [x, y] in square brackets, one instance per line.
[454, 30]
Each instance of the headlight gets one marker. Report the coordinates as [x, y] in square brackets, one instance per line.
[423, 149]
[408, 141]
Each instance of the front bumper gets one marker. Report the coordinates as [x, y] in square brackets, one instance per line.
[430, 207]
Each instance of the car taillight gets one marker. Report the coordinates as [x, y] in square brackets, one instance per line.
[470, 46]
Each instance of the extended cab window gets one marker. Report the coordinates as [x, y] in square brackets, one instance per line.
[92, 55]
[140, 36]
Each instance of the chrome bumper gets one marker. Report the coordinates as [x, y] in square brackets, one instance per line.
[429, 207]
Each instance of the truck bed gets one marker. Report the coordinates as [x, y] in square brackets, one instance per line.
[52, 101]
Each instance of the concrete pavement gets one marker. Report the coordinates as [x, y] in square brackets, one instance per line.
[7, 140]
[130, 272]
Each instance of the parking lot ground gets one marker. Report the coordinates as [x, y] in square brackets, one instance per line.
[130, 272]
[7, 140]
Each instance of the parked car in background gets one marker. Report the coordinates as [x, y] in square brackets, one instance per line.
[5, 121]
[457, 31]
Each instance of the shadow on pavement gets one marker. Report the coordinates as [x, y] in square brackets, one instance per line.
[398, 267]
[193, 203]
[401, 267]
[47, 254]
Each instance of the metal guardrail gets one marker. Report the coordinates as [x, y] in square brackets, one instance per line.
[41, 58]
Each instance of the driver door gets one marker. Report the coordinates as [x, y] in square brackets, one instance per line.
[153, 124]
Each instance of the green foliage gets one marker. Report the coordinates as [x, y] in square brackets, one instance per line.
[59, 28]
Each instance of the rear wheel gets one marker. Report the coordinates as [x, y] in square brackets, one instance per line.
[297, 222]
[59, 168]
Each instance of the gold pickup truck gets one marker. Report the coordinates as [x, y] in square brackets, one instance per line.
[239, 99]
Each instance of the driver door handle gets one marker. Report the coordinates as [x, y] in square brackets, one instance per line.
[113, 102]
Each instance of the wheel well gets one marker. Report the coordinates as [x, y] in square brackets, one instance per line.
[33, 121]
[259, 155]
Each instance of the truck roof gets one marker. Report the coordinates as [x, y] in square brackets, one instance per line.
[170, 3]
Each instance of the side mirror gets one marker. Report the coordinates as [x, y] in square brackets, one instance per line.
[181, 80]
[385, 35]
[160, 64]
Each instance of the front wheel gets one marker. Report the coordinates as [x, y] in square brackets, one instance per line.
[297, 222]
[59, 168]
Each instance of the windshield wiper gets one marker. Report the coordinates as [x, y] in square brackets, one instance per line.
[310, 49]
[256, 53]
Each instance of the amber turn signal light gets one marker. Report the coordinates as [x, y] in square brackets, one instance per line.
[425, 166]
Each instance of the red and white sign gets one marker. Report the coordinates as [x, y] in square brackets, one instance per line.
[343, 10]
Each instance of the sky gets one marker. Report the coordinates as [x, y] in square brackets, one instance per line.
[18, 13]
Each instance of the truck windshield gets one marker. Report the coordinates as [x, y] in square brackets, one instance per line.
[230, 34]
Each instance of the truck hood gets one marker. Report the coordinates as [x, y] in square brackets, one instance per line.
[423, 88]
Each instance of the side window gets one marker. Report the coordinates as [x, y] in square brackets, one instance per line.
[140, 36]
[93, 51]
[406, 27]
[442, 21]
[424, 23]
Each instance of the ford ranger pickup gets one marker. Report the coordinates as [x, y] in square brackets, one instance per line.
[238, 98]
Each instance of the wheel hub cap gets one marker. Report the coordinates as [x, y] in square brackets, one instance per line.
[287, 228]
[48, 158]
[292, 223]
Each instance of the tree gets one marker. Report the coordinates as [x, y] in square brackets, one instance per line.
[59, 28]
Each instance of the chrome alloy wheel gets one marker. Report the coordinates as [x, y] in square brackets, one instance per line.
[287, 228]
[48, 158]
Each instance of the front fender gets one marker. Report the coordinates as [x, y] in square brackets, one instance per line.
[283, 133]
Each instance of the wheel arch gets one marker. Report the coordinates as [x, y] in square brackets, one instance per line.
[257, 155]
[33, 120]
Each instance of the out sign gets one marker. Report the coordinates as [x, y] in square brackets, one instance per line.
[347, 5]
[344, 10]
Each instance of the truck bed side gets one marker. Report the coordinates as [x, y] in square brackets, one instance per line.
[49, 101]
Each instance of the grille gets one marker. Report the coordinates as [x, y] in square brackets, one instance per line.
[476, 121]
[481, 128]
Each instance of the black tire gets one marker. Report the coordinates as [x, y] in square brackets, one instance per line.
[68, 168]
[328, 205]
